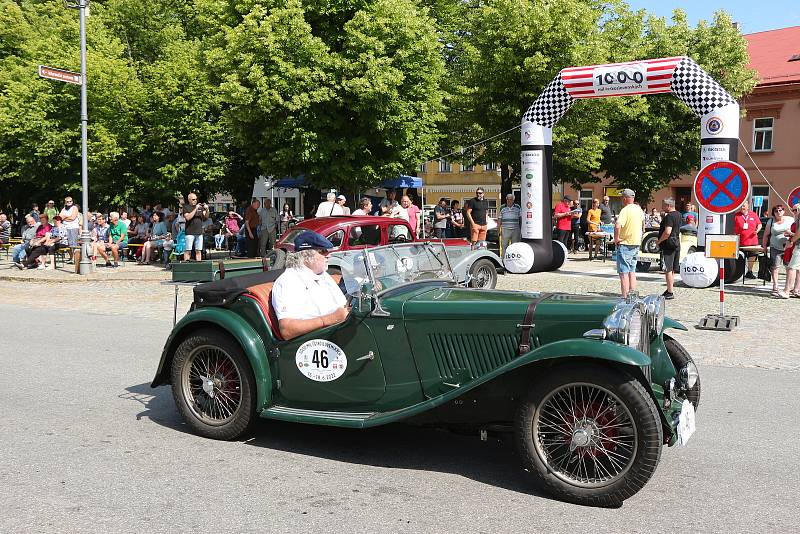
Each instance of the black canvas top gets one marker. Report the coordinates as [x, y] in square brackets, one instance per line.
[223, 292]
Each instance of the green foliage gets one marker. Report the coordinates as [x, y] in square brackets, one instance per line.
[653, 140]
[347, 93]
[208, 94]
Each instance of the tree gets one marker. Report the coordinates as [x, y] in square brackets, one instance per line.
[347, 93]
[510, 52]
[656, 139]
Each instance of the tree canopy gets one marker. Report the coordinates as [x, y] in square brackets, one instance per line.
[207, 95]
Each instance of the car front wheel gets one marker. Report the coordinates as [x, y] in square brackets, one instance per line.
[213, 386]
[589, 434]
[483, 274]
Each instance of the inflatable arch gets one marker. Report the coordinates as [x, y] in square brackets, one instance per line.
[719, 123]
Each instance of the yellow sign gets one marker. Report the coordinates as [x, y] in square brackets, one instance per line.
[613, 192]
[722, 247]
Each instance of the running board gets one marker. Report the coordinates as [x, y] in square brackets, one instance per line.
[318, 417]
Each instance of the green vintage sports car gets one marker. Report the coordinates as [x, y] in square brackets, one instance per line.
[591, 388]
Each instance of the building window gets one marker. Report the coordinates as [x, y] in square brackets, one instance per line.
[490, 166]
[762, 134]
[586, 199]
[762, 192]
[421, 167]
[444, 166]
[467, 168]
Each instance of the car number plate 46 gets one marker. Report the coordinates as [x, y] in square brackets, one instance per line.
[685, 423]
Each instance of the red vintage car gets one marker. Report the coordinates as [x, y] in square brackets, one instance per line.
[478, 268]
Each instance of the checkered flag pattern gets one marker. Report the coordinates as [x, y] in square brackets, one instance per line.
[697, 89]
[551, 104]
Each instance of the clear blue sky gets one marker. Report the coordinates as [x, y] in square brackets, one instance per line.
[752, 16]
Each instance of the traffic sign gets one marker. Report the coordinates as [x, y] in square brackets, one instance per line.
[758, 201]
[721, 187]
[794, 197]
[60, 75]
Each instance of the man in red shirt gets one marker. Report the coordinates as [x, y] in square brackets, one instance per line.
[563, 217]
[747, 224]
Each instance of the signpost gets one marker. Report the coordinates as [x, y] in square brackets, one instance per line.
[61, 75]
[721, 187]
[794, 197]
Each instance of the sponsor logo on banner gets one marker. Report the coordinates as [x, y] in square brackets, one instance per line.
[714, 125]
[320, 360]
[532, 191]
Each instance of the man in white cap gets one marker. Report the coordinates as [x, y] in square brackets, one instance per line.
[628, 239]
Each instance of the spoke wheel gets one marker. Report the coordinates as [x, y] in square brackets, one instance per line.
[213, 385]
[484, 274]
[585, 434]
[589, 434]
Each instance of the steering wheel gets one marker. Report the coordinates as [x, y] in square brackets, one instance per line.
[400, 238]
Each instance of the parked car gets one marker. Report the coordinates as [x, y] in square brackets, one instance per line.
[590, 387]
[478, 268]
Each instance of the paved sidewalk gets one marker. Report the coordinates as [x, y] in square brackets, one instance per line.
[764, 338]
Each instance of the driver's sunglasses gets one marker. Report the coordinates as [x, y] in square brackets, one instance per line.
[478, 192]
[323, 252]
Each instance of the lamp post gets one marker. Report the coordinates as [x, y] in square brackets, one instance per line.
[86, 266]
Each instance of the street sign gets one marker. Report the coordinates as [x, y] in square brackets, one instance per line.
[758, 201]
[722, 247]
[60, 75]
[794, 197]
[721, 187]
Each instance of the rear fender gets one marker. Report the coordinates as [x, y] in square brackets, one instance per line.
[221, 319]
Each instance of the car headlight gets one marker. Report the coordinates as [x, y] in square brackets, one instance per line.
[634, 328]
[656, 309]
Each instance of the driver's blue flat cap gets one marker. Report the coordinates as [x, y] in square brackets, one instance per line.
[311, 240]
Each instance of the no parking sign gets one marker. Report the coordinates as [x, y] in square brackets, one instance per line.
[721, 187]
[794, 197]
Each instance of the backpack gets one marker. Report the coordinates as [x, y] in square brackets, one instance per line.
[180, 243]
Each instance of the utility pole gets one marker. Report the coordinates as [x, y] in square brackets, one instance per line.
[86, 266]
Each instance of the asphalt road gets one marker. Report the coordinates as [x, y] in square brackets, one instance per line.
[87, 446]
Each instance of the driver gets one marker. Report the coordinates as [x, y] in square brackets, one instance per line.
[305, 297]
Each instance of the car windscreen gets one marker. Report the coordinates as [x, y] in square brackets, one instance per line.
[393, 265]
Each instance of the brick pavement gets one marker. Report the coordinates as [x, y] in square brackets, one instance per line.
[764, 339]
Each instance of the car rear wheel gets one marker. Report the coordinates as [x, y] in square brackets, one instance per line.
[589, 434]
[277, 258]
[483, 274]
[213, 385]
[680, 358]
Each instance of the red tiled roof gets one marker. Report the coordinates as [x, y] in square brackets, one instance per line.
[770, 52]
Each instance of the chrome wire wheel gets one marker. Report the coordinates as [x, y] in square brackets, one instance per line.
[212, 385]
[585, 435]
[484, 274]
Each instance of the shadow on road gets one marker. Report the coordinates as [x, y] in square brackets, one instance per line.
[395, 446]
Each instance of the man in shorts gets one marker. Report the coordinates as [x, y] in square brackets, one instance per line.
[477, 209]
[669, 241]
[194, 214]
[628, 239]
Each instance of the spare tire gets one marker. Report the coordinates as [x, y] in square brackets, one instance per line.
[276, 258]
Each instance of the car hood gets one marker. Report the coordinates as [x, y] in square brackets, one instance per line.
[492, 304]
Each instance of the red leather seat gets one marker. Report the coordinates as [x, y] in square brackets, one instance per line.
[262, 294]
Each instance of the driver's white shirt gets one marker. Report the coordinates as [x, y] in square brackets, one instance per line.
[300, 294]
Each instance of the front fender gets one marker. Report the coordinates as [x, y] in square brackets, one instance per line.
[672, 323]
[587, 348]
[237, 328]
